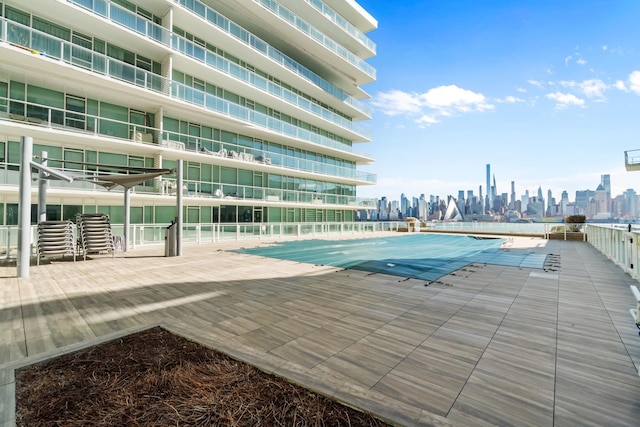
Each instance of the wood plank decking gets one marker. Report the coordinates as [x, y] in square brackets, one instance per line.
[489, 345]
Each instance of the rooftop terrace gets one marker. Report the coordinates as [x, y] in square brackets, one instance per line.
[485, 345]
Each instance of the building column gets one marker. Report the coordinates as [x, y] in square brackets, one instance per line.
[24, 207]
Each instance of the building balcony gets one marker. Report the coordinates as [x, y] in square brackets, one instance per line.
[197, 192]
[92, 131]
[367, 46]
[32, 42]
[159, 34]
[361, 70]
[269, 93]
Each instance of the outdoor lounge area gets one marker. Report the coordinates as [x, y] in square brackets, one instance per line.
[483, 345]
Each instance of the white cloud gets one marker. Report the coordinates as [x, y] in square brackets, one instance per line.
[567, 59]
[535, 83]
[451, 99]
[510, 100]
[564, 100]
[442, 101]
[581, 61]
[521, 90]
[621, 86]
[426, 120]
[396, 102]
[605, 47]
[634, 82]
[592, 88]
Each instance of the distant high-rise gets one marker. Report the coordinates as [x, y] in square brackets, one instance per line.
[489, 198]
[605, 180]
[583, 199]
[512, 205]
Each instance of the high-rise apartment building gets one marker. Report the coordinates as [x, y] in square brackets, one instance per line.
[260, 100]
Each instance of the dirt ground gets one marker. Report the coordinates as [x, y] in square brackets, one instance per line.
[155, 378]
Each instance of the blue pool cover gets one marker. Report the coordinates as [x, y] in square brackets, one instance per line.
[420, 256]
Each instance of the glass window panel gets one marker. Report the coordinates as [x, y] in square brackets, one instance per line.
[228, 214]
[275, 215]
[205, 215]
[137, 215]
[117, 123]
[245, 177]
[13, 153]
[71, 156]
[165, 214]
[229, 175]
[193, 172]
[148, 215]
[69, 212]
[12, 214]
[17, 15]
[54, 213]
[113, 159]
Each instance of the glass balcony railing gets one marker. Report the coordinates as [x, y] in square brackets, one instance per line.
[78, 121]
[318, 36]
[191, 189]
[327, 11]
[234, 30]
[140, 25]
[263, 155]
[216, 61]
[44, 44]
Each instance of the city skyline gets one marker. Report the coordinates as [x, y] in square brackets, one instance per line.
[546, 93]
[596, 205]
[507, 189]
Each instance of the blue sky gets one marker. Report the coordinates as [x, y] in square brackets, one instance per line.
[547, 92]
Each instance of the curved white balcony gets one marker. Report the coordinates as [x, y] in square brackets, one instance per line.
[326, 41]
[140, 25]
[61, 50]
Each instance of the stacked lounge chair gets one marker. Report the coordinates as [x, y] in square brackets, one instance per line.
[95, 234]
[55, 238]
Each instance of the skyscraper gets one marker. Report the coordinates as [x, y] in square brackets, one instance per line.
[489, 192]
[239, 91]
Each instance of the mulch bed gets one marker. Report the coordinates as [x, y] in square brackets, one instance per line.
[155, 378]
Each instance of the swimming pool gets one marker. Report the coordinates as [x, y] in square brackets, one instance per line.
[420, 256]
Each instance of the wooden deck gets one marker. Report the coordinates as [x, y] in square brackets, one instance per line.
[488, 345]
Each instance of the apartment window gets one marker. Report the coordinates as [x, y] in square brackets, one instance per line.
[81, 51]
[75, 109]
[39, 99]
[73, 159]
[4, 91]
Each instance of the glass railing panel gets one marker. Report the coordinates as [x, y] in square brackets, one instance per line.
[126, 18]
[317, 35]
[142, 78]
[223, 23]
[343, 23]
[216, 61]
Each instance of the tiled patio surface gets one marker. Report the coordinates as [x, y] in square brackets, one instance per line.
[486, 345]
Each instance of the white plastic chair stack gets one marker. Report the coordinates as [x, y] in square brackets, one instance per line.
[55, 238]
[95, 234]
